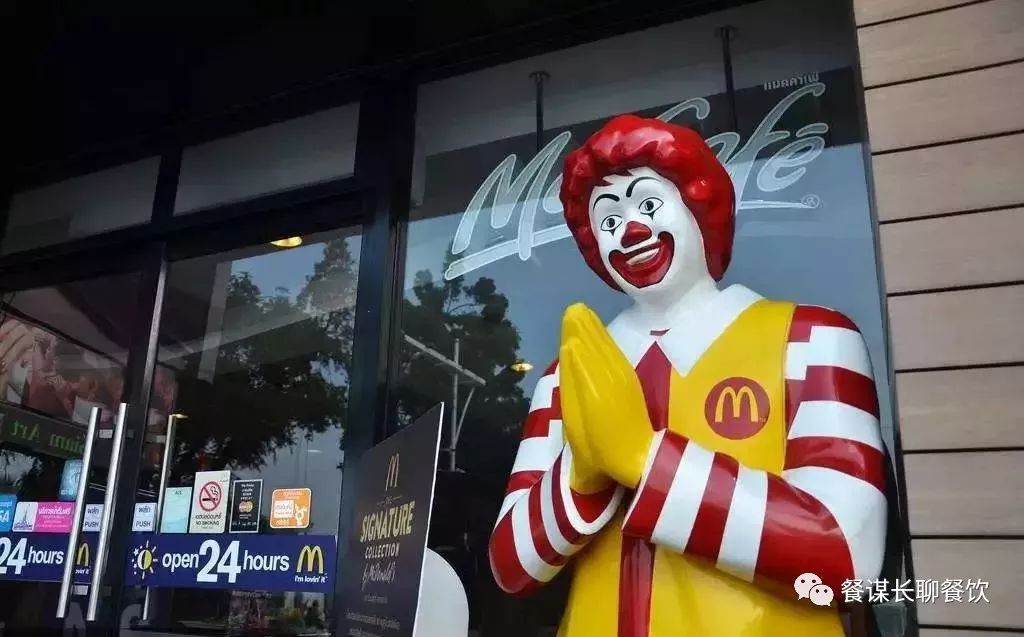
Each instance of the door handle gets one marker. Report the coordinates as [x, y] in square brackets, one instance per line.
[165, 471]
[102, 544]
[79, 514]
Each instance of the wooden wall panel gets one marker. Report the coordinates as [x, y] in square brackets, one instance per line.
[965, 327]
[946, 129]
[969, 493]
[971, 104]
[984, 173]
[971, 249]
[868, 11]
[954, 40]
[961, 408]
[1000, 562]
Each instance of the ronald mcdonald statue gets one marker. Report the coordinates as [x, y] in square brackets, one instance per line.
[709, 462]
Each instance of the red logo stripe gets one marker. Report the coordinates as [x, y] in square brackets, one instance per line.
[848, 456]
[636, 578]
[590, 506]
[841, 385]
[806, 317]
[655, 373]
[537, 424]
[709, 526]
[636, 564]
[801, 536]
[541, 542]
[508, 572]
[523, 480]
[651, 498]
[568, 532]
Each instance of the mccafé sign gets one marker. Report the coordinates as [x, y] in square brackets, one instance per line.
[535, 188]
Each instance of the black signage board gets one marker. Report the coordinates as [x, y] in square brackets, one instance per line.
[392, 517]
[42, 434]
[246, 496]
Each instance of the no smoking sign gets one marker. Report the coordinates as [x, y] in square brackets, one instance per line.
[209, 504]
[210, 495]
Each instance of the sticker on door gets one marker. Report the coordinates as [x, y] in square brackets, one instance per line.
[8, 502]
[174, 518]
[289, 508]
[25, 517]
[145, 515]
[210, 502]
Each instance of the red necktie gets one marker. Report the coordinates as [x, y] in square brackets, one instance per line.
[655, 374]
[636, 575]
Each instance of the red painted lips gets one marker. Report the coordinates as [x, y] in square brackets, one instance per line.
[646, 264]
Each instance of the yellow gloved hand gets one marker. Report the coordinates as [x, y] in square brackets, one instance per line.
[585, 476]
[603, 409]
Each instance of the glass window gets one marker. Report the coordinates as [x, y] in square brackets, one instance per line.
[490, 265]
[255, 347]
[94, 203]
[297, 152]
[63, 350]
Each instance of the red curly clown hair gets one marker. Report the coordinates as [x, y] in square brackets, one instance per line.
[677, 154]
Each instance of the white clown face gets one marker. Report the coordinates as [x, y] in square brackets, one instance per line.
[649, 239]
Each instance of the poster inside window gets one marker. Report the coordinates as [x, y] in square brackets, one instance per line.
[50, 374]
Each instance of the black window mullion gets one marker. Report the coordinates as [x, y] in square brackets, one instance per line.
[384, 153]
[166, 185]
[142, 359]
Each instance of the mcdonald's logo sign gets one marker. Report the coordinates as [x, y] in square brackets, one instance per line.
[308, 556]
[391, 480]
[736, 398]
[737, 408]
[82, 555]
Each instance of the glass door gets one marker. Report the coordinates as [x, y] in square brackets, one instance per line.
[64, 351]
[237, 507]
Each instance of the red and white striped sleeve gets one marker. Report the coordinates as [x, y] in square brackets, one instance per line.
[542, 521]
[826, 513]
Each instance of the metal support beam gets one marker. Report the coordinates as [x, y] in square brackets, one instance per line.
[539, 78]
[455, 367]
[727, 34]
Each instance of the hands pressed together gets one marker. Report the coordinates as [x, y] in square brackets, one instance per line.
[604, 413]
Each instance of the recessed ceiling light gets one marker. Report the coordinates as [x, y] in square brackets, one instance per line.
[521, 366]
[287, 242]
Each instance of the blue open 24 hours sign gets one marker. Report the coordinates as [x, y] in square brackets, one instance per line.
[39, 557]
[256, 562]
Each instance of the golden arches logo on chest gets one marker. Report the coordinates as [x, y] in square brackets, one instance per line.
[737, 408]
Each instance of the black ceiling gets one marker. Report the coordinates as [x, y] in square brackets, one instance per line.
[86, 78]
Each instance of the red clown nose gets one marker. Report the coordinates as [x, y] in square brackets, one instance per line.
[636, 232]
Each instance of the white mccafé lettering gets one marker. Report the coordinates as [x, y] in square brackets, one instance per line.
[535, 188]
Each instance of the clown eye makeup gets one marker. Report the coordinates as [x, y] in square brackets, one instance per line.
[610, 223]
[650, 205]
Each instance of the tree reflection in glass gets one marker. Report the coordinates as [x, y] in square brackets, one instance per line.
[281, 370]
[259, 343]
[436, 313]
